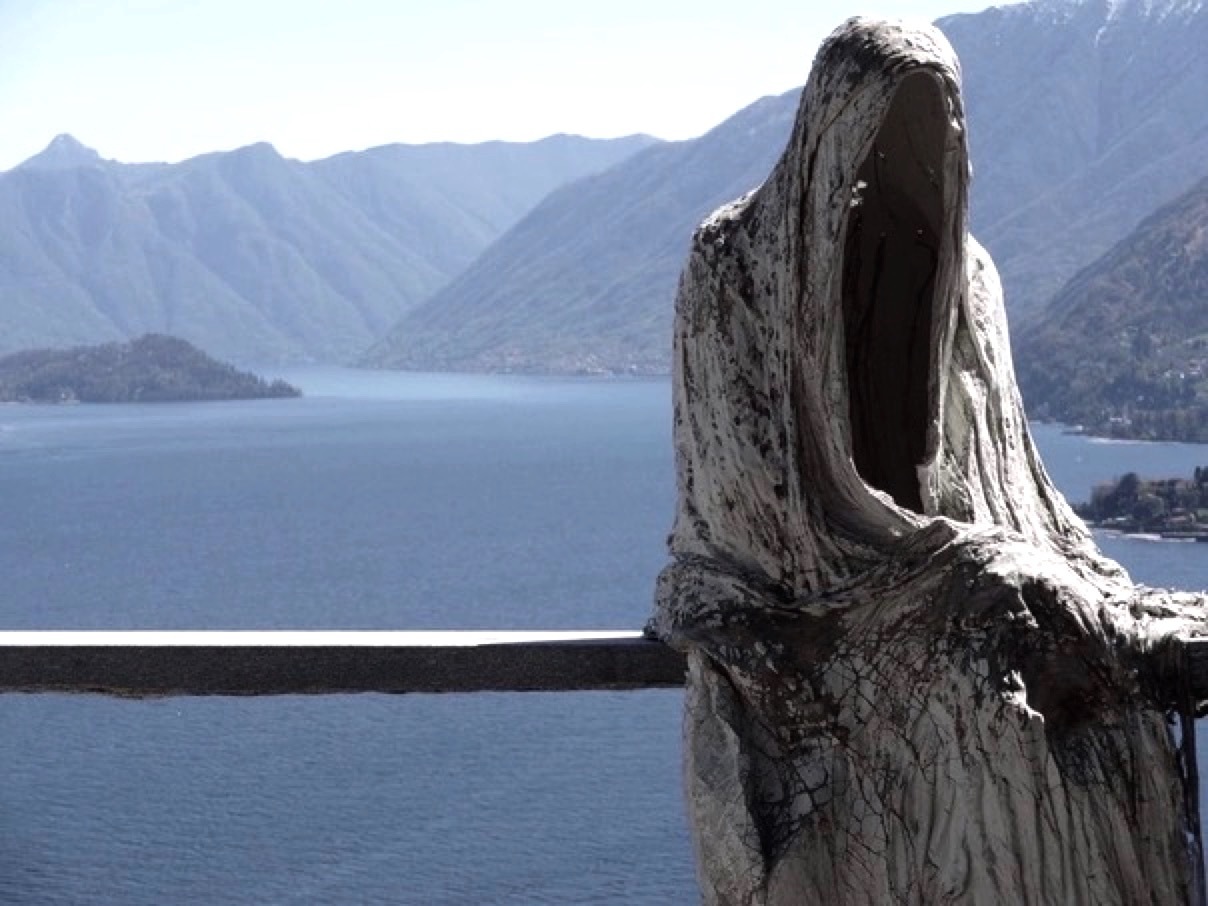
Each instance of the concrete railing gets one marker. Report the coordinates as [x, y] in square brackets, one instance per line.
[149, 663]
[154, 663]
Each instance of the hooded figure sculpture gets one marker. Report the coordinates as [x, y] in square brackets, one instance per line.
[912, 676]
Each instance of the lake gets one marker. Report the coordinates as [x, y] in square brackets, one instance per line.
[378, 501]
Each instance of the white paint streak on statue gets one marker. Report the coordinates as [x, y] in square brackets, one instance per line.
[913, 677]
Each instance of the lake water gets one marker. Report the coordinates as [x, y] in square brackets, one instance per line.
[378, 501]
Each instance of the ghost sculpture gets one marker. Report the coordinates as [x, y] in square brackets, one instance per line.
[912, 676]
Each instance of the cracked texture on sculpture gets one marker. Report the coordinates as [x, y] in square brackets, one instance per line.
[913, 678]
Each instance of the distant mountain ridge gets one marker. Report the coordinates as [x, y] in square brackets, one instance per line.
[64, 152]
[254, 256]
[1123, 348]
[582, 284]
[1083, 116]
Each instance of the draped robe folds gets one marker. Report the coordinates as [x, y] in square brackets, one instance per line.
[912, 676]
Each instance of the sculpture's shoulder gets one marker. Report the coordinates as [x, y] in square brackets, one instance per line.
[731, 269]
[986, 307]
[979, 266]
[716, 236]
[717, 274]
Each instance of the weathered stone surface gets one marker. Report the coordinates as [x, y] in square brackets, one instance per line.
[912, 676]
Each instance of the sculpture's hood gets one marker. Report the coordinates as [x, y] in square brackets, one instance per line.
[843, 374]
[902, 646]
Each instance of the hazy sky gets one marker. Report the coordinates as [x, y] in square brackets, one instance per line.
[168, 79]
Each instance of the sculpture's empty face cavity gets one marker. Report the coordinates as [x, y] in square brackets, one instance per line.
[891, 254]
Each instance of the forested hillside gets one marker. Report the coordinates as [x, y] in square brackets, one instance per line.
[150, 369]
[1123, 349]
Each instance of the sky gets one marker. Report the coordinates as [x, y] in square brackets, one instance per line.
[142, 80]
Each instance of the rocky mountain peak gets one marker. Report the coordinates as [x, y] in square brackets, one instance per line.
[64, 152]
[1110, 10]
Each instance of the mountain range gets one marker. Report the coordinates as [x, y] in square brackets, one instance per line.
[1083, 116]
[254, 256]
[584, 281]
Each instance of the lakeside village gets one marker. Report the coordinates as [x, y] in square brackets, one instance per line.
[1175, 508]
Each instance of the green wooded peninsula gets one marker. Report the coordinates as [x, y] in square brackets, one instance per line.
[153, 368]
[1171, 507]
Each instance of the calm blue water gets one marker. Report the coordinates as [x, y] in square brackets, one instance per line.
[377, 501]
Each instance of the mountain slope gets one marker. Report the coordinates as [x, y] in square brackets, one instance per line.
[1083, 116]
[63, 153]
[1123, 348]
[254, 256]
[582, 283]
[480, 190]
